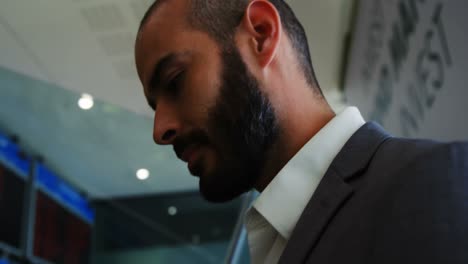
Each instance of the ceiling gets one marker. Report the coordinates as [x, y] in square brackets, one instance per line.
[53, 51]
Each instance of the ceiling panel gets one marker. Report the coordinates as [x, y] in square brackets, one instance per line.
[16, 55]
[73, 42]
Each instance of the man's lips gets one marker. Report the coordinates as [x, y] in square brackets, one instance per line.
[188, 153]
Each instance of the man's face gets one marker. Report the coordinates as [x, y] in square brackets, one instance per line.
[208, 105]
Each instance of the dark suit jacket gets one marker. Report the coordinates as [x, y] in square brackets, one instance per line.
[387, 200]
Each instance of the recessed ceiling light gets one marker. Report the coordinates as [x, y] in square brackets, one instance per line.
[142, 174]
[86, 102]
[172, 210]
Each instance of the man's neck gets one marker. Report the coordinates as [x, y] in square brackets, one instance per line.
[293, 137]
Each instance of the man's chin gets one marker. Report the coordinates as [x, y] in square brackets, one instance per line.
[211, 192]
[197, 169]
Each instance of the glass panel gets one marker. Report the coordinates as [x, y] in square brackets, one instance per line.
[60, 236]
[11, 204]
[175, 228]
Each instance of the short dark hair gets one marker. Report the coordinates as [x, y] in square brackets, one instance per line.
[220, 18]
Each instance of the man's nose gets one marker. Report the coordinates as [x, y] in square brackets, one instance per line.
[166, 124]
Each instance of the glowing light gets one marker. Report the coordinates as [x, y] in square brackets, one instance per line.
[172, 210]
[86, 102]
[142, 174]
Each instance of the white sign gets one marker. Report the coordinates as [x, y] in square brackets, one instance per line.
[408, 67]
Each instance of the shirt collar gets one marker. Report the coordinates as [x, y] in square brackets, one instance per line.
[284, 199]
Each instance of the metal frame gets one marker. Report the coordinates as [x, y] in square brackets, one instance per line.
[8, 165]
[8, 250]
[29, 214]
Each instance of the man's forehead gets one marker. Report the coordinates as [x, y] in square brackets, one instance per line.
[161, 26]
[174, 11]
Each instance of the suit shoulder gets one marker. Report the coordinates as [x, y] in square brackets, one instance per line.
[410, 164]
[414, 150]
[424, 201]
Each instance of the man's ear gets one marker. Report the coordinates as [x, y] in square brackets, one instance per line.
[263, 23]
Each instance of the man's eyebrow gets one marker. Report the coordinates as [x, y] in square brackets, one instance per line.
[157, 73]
[156, 77]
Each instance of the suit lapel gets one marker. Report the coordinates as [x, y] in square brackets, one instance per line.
[332, 192]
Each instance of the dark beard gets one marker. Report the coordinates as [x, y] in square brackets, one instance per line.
[243, 128]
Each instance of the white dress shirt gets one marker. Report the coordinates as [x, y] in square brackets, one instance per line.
[273, 216]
